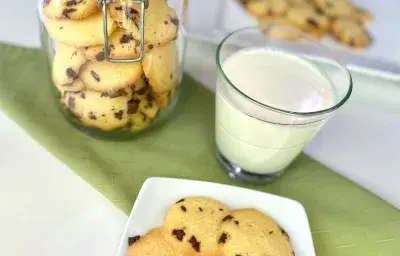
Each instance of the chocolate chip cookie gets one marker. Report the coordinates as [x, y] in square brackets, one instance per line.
[152, 244]
[192, 225]
[66, 64]
[70, 9]
[106, 76]
[251, 232]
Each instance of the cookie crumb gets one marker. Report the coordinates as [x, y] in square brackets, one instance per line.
[195, 244]
[271, 232]
[132, 240]
[183, 208]
[221, 210]
[222, 238]
[178, 233]
[83, 96]
[200, 209]
[237, 222]
[151, 46]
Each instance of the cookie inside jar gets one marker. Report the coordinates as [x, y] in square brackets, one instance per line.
[96, 88]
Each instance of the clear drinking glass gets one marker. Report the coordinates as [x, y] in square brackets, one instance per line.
[276, 88]
[116, 66]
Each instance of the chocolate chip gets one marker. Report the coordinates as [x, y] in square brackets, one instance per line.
[71, 3]
[92, 116]
[284, 233]
[95, 75]
[312, 22]
[221, 210]
[178, 233]
[271, 232]
[118, 8]
[166, 22]
[222, 238]
[319, 10]
[142, 91]
[83, 96]
[133, 11]
[132, 240]
[195, 244]
[100, 56]
[151, 46]
[227, 218]
[119, 114]
[237, 223]
[113, 94]
[180, 201]
[200, 209]
[71, 73]
[71, 102]
[46, 3]
[126, 38]
[183, 208]
[175, 21]
[66, 12]
[133, 106]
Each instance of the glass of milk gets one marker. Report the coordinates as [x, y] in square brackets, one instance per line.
[276, 88]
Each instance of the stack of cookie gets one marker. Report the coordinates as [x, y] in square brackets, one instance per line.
[107, 95]
[341, 19]
[203, 226]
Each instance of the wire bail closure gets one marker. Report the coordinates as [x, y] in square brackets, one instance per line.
[144, 4]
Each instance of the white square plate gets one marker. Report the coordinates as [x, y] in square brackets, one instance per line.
[158, 194]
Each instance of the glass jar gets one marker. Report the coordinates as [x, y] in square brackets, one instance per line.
[131, 86]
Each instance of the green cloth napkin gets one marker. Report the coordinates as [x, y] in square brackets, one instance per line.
[345, 219]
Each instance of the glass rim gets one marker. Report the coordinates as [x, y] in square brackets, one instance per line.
[283, 111]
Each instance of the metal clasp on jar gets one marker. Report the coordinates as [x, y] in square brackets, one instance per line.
[144, 4]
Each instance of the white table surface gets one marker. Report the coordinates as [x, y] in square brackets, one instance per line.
[49, 210]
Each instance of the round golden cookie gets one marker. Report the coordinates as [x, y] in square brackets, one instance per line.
[152, 244]
[66, 64]
[80, 33]
[122, 45]
[160, 67]
[76, 86]
[350, 33]
[250, 232]
[272, 8]
[280, 28]
[362, 15]
[161, 22]
[192, 225]
[103, 110]
[107, 76]
[72, 9]
[336, 8]
[308, 19]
